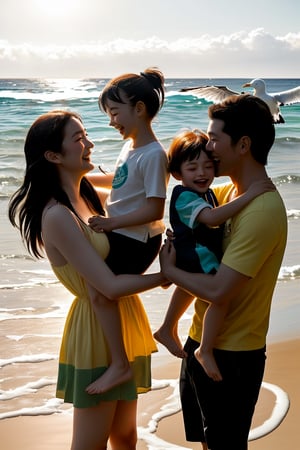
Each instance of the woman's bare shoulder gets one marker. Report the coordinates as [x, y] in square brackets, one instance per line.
[54, 210]
[58, 217]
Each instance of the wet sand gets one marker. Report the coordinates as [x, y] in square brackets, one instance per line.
[282, 369]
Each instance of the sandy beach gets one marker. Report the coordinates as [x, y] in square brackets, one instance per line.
[282, 369]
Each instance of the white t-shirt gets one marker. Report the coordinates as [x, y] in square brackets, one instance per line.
[140, 173]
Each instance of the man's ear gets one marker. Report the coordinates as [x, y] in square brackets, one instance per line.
[245, 144]
[52, 157]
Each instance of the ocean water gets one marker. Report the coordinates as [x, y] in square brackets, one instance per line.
[33, 305]
[22, 100]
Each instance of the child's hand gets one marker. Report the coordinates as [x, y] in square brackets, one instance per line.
[170, 234]
[259, 187]
[100, 224]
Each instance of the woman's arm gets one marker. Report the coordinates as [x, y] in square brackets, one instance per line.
[101, 179]
[103, 193]
[152, 210]
[63, 235]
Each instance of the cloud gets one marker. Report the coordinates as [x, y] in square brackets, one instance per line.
[239, 54]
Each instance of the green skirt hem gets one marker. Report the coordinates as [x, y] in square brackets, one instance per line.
[72, 382]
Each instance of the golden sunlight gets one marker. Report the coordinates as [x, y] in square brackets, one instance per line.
[57, 8]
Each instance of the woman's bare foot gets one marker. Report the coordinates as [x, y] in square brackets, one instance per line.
[112, 377]
[208, 362]
[171, 342]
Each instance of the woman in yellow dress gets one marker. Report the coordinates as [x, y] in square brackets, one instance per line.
[51, 209]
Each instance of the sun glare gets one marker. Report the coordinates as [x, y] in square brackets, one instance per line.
[57, 8]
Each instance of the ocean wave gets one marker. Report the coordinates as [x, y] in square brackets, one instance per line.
[293, 213]
[20, 337]
[16, 256]
[51, 406]
[287, 179]
[14, 141]
[27, 359]
[29, 388]
[20, 275]
[77, 92]
[49, 97]
[23, 313]
[289, 273]
[287, 140]
[173, 406]
[147, 434]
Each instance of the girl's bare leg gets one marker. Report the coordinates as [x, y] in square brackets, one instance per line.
[167, 334]
[212, 322]
[119, 370]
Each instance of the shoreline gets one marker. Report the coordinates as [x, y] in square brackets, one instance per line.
[282, 369]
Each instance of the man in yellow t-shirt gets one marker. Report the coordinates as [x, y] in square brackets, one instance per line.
[219, 414]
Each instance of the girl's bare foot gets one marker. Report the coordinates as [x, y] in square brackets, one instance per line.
[171, 342]
[112, 377]
[208, 362]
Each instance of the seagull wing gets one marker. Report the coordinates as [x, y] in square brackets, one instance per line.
[216, 94]
[273, 104]
[288, 97]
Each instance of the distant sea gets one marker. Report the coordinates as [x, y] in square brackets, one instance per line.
[33, 305]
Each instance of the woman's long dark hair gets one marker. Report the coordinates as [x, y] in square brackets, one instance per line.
[41, 181]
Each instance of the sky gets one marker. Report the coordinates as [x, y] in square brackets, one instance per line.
[184, 38]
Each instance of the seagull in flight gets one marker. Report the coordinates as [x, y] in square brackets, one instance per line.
[217, 94]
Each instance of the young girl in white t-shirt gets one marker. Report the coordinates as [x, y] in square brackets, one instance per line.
[136, 199]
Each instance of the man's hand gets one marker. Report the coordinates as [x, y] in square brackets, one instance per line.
[167, 257]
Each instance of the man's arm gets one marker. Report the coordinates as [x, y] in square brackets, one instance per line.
[219, 288]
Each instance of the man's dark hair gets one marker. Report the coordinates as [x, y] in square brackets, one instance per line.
[247, 115]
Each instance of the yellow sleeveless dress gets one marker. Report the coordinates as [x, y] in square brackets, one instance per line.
[84, 355]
